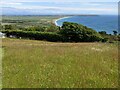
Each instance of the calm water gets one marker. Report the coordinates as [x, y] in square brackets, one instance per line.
[98, 23]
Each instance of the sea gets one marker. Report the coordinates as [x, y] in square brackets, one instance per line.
[107, 23]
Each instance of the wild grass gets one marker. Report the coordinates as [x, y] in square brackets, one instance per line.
[0, 63]
[40, 64]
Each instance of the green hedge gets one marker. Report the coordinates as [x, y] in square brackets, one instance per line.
[49, 36]
[69, 32]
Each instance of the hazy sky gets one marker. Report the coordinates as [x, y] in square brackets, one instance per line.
[38, 7]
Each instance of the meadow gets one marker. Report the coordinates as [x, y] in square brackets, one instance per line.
[42, 64]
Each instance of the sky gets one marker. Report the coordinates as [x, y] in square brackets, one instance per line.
[59, 7]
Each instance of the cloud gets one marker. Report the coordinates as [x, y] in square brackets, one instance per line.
[61, 0]
[56, 10]
[87, 6]
[58, 6]
[5, 3]
[16, 11]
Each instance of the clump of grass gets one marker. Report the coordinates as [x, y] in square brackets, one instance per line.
[38, 64]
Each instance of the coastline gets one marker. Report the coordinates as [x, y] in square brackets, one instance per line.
[55, 21]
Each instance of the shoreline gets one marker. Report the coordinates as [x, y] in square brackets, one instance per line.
[55, 21]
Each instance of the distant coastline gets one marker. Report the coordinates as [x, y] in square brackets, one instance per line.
[96, 22]
[55, 21]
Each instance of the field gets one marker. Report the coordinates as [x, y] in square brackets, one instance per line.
[42, 64]
[26, 21]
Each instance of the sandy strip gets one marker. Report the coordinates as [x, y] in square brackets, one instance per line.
[55, 21]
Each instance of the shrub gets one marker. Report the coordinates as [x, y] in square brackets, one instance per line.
[77, 32]
[50, 28]
[35, 28]
[103, 32]
[8, 27]
[104, 39]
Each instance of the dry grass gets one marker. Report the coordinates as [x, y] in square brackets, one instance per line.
[40, 64]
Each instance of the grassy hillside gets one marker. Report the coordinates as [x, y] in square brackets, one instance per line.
[40, 64]
[0, 64]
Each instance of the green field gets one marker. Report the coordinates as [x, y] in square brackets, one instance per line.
[41, 64]
[26, 21]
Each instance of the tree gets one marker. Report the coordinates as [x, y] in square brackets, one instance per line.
[70, 31]
[6, 27]
[52, 28]
[77, 32]
[103, 32]
[115, 32]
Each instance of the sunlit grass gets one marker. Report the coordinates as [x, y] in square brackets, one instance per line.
[1, 63]
[40, 64]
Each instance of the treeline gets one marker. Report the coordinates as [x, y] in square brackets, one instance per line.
[69, 32]
[110, 37]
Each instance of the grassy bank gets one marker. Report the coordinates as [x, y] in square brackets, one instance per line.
[40, 64]
[0, 63]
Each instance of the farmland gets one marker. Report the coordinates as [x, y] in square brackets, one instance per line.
[29, 20]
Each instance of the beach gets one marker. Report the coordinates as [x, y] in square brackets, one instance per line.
[55, 21]
[106, 23]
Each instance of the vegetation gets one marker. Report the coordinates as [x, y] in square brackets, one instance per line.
[78, 33]
[69, 32]
[110, 37]
[0, 66]
[35, 35]
[115, 32]
[40, 64]
[51, 28]
[21, 22]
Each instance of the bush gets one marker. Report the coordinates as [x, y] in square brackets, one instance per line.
[103, 32]
[104, 39]
[8, 27]
[77, 32]
[50, 28]
[35, 28]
